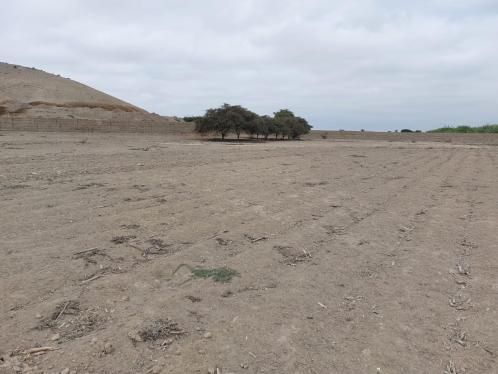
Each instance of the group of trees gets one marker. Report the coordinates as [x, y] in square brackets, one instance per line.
[235, 119]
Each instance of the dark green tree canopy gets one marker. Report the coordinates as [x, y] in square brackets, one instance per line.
[237, 120]
[290, 126]
[265, 125]
[226, 119]
[283, 113]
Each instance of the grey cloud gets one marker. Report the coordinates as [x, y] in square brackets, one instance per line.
[375, 64]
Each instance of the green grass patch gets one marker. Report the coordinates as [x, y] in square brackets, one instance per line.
[221, 275]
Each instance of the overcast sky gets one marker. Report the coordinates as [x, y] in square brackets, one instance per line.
[372, 64]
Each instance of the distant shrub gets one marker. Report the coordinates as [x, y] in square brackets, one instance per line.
[486, 129]
[406, 130]
[191, 118]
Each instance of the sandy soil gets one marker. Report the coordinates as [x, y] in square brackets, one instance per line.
[485, 139]
[352, 257]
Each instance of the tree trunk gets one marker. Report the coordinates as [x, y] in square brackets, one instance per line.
[238, 136]
[222, 136]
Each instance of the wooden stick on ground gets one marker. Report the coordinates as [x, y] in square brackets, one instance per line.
[62, 311]
[92, 278]
[39, 350]
[85, 251]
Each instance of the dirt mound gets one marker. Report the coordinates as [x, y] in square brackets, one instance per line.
[29, 92]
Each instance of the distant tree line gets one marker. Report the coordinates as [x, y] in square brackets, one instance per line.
[235, 119]
[409, 130]
[486, 129]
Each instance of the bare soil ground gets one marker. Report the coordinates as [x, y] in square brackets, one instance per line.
[455, 138]
[351, 256]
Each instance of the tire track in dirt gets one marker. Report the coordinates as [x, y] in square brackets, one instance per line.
[442, 202]
[390, 201]
[473, 352]
[290, 280]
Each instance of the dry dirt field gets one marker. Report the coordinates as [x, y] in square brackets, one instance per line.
[351, 256]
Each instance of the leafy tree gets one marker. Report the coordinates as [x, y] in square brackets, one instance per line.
[283, 113]
[214, 121]
[265, 126]
[243, 120]
[290, 126]
[299, 126]
[226, 119]
[252, 128]
[283, 120]
[191, 118]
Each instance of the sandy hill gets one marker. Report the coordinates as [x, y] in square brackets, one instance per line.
[29, 92]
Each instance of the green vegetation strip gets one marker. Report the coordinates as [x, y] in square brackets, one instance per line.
[487, 129]
[221, 275]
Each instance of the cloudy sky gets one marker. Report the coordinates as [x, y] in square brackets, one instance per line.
[372, 64]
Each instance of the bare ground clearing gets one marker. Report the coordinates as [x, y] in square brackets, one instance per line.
[351, 257]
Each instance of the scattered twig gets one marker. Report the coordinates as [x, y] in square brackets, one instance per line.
[450, 368]
[463, 269]
[39, 350]
[322, 305]
[214, 236]
[488, 350]
[62, 311]
[92, 278]
[259, 239]
[85, 251]
[143, 251]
